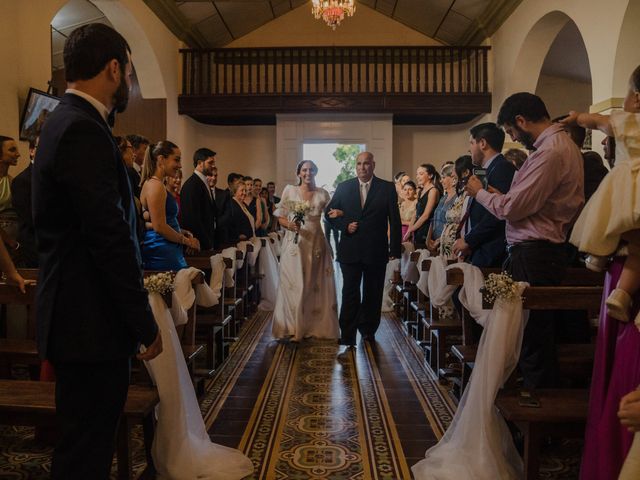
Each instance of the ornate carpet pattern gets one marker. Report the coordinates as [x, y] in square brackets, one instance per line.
[300, 413]
[320, 418]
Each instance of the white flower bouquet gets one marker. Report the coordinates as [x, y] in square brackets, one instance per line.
[499, 286]
[161, 283]
[299, 210]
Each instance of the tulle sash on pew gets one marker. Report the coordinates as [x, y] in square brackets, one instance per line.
[478, 443]
[181, 448]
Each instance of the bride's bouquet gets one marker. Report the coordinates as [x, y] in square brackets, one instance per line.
[299, 211]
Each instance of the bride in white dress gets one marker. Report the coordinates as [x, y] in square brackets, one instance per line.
[306, 301]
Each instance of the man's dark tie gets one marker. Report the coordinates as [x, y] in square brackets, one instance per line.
[111, 119]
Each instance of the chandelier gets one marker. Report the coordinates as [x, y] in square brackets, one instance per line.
[333, 11]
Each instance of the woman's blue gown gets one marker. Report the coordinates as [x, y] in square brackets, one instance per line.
[158, 253]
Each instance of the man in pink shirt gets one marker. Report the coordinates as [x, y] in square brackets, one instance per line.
[545, 199]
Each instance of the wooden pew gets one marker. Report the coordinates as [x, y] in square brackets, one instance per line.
[33, 404]
[434, 331]
[20, 350]
[409, 294]
[400, 287]
[25, 350]
[234, 300]
[217, 324]
[561, 412]
[574, 359]
[244, 288]
[417, 312]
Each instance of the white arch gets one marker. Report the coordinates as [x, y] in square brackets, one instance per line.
[144, 57]
[627, 55]
[534, 49]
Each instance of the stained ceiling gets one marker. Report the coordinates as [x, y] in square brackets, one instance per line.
[216, 23]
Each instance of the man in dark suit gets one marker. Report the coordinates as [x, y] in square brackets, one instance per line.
[27, 257]
[92, 308]
[140, 145]
[223, 211]
[483, 241]
[271, 188]
[221, 201]
[197, 208]
[369, 208]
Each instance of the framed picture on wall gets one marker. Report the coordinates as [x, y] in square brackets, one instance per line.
[36, 110]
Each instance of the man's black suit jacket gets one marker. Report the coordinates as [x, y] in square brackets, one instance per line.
[223, 216]
[370, 243]
[198, 211]
[91, 302]
[21, 200]
[486, 236]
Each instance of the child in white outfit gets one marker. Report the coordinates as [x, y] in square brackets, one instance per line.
[611, 218]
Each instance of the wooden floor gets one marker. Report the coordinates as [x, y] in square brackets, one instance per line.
[301, 412]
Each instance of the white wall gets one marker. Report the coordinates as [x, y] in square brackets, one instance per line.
[246, 150]
[253, 150]
[300, 28]
[293, 131]
[414, 145]
[562, 95]
[521, 44]
[518, 50]
[25, 49]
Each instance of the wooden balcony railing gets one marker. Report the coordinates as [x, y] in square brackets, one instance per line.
[335, 79]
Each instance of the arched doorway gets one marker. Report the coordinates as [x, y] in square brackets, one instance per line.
[627, 56]
[564, 81]
[147, 113]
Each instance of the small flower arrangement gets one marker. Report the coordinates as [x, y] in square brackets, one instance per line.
[499, 286]
[299, 210]
[161, 283]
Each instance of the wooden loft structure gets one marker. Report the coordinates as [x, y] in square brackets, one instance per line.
[418, 85]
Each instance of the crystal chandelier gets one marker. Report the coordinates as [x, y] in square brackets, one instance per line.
[333, 11]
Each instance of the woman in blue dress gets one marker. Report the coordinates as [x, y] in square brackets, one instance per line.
[163, 243]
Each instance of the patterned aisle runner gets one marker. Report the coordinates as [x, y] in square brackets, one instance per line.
[301, 413]
[321, 418]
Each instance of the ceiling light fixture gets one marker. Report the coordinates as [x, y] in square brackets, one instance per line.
[333, 11]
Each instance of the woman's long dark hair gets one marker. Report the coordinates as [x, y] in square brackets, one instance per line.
[463, 163]
[435, 176]
[164, 148]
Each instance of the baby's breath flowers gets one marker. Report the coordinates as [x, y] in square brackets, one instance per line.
[299, 211]
[161, 283]
[499, 286]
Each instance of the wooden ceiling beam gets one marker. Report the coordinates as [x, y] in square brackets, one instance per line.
[223, 20]
[489, 21]
[168, 13]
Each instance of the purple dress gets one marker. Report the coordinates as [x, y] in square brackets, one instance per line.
[616, 372]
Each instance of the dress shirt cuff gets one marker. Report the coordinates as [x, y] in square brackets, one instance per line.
[484, 197]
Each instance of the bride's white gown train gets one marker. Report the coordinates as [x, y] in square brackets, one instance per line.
[306, 304]
[182, 449]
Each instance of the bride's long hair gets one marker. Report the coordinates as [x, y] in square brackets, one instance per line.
[299, 167]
